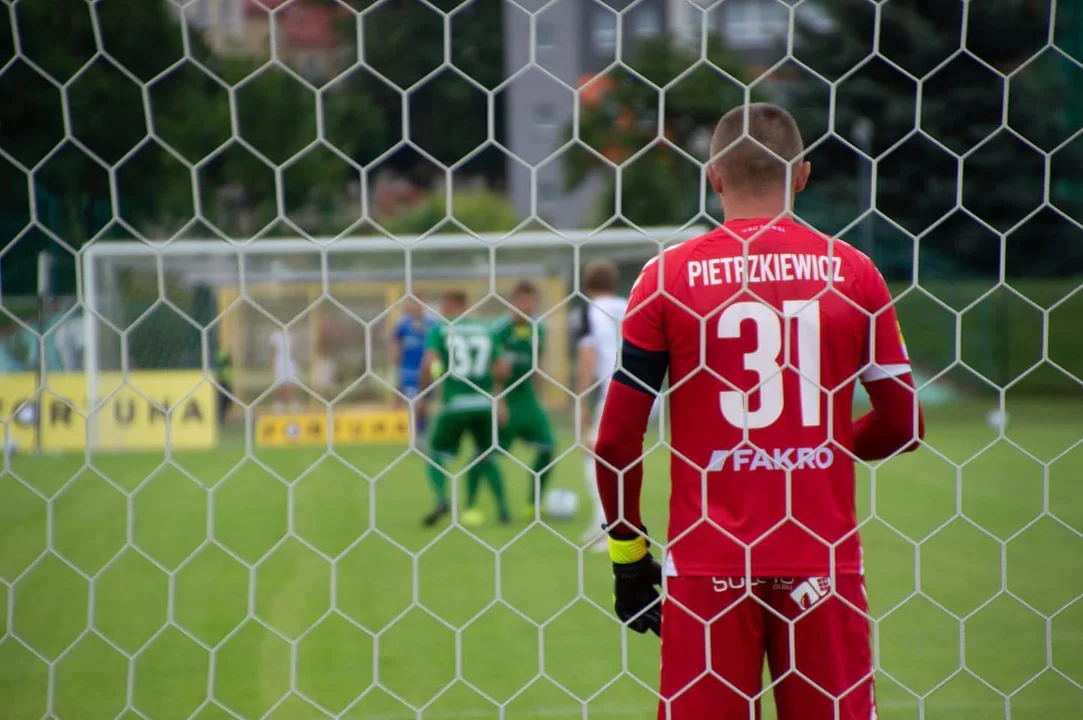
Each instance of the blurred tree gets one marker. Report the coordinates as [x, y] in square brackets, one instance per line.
[960, 115]
[479, 211]
[620, 118]
[189, 112]
[404, 44]
[107, 116]
[72, 148]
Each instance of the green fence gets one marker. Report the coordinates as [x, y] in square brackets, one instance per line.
[999, 335]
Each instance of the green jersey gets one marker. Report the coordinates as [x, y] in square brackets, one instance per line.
[467, 350]
[223, 366]
[517, 341]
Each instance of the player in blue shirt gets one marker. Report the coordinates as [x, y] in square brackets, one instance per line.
[408, 347]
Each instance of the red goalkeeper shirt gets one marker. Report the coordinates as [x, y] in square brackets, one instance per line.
[767, 325]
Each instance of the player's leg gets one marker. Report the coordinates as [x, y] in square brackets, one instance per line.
[443, 446]
[511, 431]
[481, 428]
[286, 392]
[283, 392]
[224, 391]
[324, 377]
[712, 651]
[285, 397]
[538, 433]
[409, 388]
[593, 537]
[421, 415]
[472, 516]
[831, 642]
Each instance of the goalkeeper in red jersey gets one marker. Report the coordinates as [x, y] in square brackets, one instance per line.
[763, 326]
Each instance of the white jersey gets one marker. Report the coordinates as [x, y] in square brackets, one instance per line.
[598, 326]
[284, 366]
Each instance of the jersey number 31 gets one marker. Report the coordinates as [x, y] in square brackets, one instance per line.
[764, 361]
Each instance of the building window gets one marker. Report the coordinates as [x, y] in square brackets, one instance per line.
[201, 14]
[545, 120]
[814, 16]
[755, 22]
[226, 15]
[646, 22]
[605, 31]
[310, 66]
[546, 37]
[693, 20]
[547, 191]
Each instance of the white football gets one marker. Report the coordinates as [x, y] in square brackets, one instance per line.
[561, 504]
[996, 419]
[27, 414]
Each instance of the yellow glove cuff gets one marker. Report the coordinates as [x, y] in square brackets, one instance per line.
[624, 552]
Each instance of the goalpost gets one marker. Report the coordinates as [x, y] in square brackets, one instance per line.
[158, 560]
[297, 282]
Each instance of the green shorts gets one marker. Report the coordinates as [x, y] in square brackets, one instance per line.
[447, 432]
[528, 422]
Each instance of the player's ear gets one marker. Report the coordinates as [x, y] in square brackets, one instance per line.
[714, 177]
[801, 175]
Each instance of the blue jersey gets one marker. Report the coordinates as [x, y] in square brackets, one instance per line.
[411, 335]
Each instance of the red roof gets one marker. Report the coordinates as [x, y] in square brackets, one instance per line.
[302, 23]
[257, 6]
[312, 25]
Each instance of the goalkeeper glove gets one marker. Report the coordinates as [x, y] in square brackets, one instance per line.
[635, 575]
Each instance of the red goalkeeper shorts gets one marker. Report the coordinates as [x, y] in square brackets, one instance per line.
[716, 632]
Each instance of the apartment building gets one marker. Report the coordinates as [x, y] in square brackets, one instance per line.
[574, 39]
[308, 39]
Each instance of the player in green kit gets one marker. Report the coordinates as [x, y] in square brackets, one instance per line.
[466, 351]
[527, 420]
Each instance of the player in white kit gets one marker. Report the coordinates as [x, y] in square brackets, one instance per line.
[597, 346]
[285, 370]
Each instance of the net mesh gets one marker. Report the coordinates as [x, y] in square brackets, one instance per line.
[206, 174]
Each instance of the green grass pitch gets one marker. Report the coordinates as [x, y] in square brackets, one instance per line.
[328, 587]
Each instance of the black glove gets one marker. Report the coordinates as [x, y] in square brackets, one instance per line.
[635, 574]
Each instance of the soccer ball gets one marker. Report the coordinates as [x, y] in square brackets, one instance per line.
[561, 504]
[996, 419]
[26, 415]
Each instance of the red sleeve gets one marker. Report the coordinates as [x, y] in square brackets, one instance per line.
[619, 445]
[643, 323]
[619, 450]
[885, 353]
[896, 422]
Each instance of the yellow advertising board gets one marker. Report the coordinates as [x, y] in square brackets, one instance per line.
[347, 428]
[143, 411]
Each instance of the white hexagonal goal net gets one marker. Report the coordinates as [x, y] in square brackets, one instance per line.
[218, 216]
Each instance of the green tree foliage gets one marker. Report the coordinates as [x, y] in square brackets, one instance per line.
[661, 185]
[404, 52]
[478, 211]
[961, 111]
[145, 110]
[71, 149]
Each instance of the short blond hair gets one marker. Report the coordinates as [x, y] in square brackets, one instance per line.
[756, 160]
